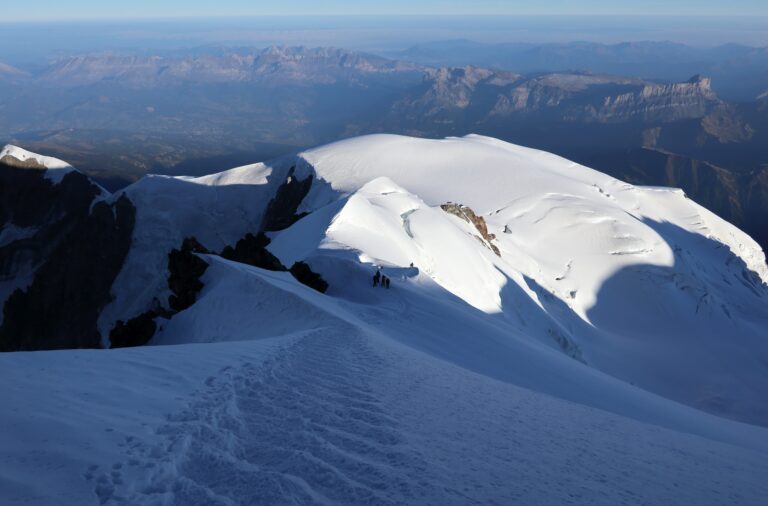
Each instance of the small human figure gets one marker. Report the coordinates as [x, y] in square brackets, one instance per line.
[411, 265]
[386, 282]
[376, 278]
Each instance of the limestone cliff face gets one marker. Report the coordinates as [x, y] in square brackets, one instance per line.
[459, 95]
[661, 102]
[454, 87]
[552, 91]
[448, 92]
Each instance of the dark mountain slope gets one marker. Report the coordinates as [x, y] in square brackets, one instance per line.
[62, 249]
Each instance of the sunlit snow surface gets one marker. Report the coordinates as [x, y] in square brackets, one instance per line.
[567, 369]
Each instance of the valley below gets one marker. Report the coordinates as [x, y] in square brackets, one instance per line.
[449, 273]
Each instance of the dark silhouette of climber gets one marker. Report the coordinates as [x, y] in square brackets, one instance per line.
[386, 281]
[376, 278]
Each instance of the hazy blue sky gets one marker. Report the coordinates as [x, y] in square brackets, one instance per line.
[31, 10]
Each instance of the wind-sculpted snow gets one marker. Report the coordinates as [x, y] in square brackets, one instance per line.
[559, 343]
[490, 175]
[336, 416]
[331, 419]
[565, 234]
[562, 275]
[266, 305]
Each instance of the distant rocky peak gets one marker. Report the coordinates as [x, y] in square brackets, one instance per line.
[299, 52]
[697, 85]
[701, 81]
[469, 76]
[9, 71]
[454, 73]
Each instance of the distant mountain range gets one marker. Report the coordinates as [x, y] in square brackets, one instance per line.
[538, 306]
[119, 116]
[274, 65]
[739, 72]
[481, 97]
[9, 72]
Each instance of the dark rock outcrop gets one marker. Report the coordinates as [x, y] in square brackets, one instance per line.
[135, 332]
[468, 215]
[29, 199]
[281, 211]
[76, 250]
[185, 269]
[29, 163]
[64, 246]
[304, 275]
[252, 250]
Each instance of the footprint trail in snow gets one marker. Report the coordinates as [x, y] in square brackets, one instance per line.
[337, 417]
[305, 427]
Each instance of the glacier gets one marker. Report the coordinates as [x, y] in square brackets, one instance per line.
[564, 337]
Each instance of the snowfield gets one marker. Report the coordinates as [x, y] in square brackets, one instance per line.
[564, 338]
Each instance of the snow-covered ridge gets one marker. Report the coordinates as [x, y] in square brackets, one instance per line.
[573, 315]
[493, 177]
[55, 169]
[625, 279]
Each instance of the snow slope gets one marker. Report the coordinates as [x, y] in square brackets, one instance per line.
[441, 326]
[490, 175]
[606, 355]
[337, 414]
[217, 210]
[641, 283]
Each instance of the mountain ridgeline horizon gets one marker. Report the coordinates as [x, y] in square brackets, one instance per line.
[449, 273]
[119, 116]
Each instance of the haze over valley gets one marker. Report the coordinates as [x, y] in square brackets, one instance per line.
[408, 253]
[119, 116]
